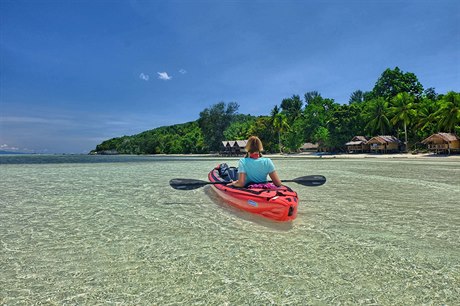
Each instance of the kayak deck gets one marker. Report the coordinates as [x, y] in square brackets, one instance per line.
[278, 204]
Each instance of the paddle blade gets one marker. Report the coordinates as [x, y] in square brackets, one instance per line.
[310, 180]
[186, 184]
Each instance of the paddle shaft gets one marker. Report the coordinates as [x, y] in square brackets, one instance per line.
[189, 184]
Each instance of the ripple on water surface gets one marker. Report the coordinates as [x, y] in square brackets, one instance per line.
[379, 232]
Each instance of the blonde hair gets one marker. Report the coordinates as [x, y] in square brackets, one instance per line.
[253, 145]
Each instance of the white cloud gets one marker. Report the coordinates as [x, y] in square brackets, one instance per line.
[183, 71]
[164, 76]
[8, 148]
[144, 76]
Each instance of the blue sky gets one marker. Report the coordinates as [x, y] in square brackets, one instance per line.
[74, 73]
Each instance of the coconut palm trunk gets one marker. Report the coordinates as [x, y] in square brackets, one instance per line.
[403, 110]
[405, 136]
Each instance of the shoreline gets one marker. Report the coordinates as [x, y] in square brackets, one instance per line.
[303, 155]
[368, 155]
[315, 155]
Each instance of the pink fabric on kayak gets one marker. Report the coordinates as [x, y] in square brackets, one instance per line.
[263, 186]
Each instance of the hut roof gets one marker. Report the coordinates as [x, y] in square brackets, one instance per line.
[234, 143]
[384, 139]
[354, 143]
[242, 143]
[360, 138]
[309, 145]
[447, 137]
[357, 140]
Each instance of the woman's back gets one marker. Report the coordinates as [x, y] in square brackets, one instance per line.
[256, 169]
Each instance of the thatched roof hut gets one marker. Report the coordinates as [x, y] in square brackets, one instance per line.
[308, 146]
[443, 143]
[239, 146]
[241, 143]
[225, 148]
[358, 145]
[384, 144]
[233, 147]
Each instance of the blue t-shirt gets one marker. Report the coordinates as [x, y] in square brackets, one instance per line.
[256, 169]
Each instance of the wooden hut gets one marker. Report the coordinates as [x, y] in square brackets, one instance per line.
[384, 144]
[242, 144]
[233, 147]
[309, 147]
[238, 147]
[225, 148]
[443, 143]
[358, 145]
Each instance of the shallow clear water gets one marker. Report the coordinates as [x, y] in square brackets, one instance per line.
[109, 230]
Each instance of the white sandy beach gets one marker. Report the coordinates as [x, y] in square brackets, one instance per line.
[367, 155]
[306, 155]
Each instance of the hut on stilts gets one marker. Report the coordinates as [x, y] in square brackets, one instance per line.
[384, 144]
[443, 143]
[233, 147]
[358, 145]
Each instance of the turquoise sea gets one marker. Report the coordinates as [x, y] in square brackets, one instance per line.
[108, 230]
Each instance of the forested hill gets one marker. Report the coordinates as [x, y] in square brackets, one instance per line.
[179, 138]
[398, 105]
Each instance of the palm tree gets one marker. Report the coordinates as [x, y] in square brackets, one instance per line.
[377, 116]
[425, 119]
[402, 110]
[449, 113]
[356, 97]
[280, 125]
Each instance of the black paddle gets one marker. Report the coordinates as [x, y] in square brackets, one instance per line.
[190, 184]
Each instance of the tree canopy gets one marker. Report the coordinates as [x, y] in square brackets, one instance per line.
[214, 121]
[397, 105]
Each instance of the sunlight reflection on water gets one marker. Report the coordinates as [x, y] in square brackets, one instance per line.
[378, 232]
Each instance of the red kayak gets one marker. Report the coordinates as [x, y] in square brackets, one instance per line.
[278, 204]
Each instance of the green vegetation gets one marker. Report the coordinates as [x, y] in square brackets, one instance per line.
[175, 139]
[397, 105]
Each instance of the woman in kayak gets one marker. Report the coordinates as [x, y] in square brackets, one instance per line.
[253, 168]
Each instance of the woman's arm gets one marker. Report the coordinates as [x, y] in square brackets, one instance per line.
[241, 180]
[276, 180]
